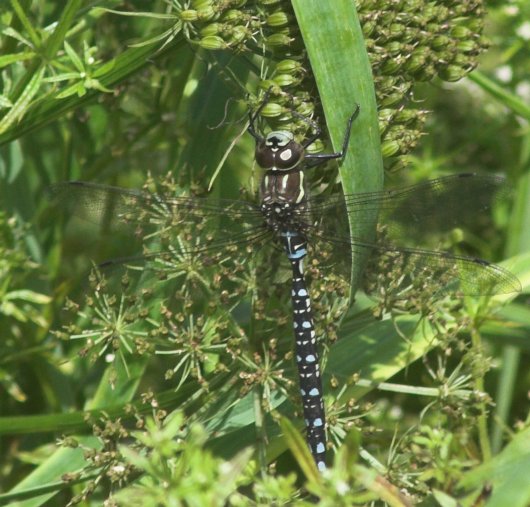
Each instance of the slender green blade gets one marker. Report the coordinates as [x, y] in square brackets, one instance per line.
[335, 45]
[506, 474]
[299, 449]
[503, 96]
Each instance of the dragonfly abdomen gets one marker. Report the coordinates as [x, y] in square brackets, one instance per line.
[306, 350]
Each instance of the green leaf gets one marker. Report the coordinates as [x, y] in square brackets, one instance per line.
[336, 49]
[109, 74]
[520, 267]
[141, 14]
[29, 295]
[11, 310]
[5, 102]
[377, 351]
[507, 473]
[298, 446]
[45, 481]
[20, 106]
[68, 14]
[26, 23]
[11, 32]
[510, 100]
[6, 60]
[74, 57]
[384, 490]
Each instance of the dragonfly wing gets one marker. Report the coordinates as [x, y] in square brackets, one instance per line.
[201, 223]
[435, 272]
[462, 200]
[415, 212]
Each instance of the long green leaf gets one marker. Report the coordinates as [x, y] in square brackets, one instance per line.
[20, 106]
[502, 95]
[26, 23]
[506, 474]
[299, 448]
[68, 15]
[335, 45]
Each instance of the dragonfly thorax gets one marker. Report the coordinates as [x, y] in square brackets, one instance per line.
[278, 151]
[283, 187]
[282, 217]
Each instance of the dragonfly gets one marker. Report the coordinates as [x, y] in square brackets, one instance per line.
[286, 215]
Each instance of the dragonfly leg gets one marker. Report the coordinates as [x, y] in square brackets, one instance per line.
[319, 158]
[252, 117]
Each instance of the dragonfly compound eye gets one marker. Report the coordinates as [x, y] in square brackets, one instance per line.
[279, 152]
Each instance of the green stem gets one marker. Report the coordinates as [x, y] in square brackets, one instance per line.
[478, 376]
[260, 430]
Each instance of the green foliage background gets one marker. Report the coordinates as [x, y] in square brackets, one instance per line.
[163, 87]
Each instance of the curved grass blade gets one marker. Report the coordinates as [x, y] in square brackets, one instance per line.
[335, 45]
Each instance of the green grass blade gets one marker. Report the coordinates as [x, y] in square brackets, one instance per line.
[68, 15]
[45, 481]
[335, 45]
[506, 474]
[503, 96]
[21, 105]
[299, 448]
[518, 241]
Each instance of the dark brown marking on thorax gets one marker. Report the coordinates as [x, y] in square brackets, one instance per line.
[283, 187]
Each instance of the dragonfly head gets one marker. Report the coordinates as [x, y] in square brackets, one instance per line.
[278, 151]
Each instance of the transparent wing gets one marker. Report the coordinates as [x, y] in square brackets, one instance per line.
[198, 225]
[414, 212]
[437, 205]
[437, 272]
[209, 228]
[203, 246]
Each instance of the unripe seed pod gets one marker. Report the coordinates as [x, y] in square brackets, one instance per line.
[233, 15]
[289, 67]
[206, 14]
[202, 4]
[394, 47]
[440, 42]
[189, 15]
[368, 28]
[392, 65]
[278, 19]
[453, 73]
[389, 148]
[210, 29]
[391, 98]
[461, 32]
[212, 42]
[467, 46]
[406, 115]
[396, 29]
[285, 80]
[316, 146]
[306, 109]
[278, 39]
[272, 110]
[238, 35]
[415, 63]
